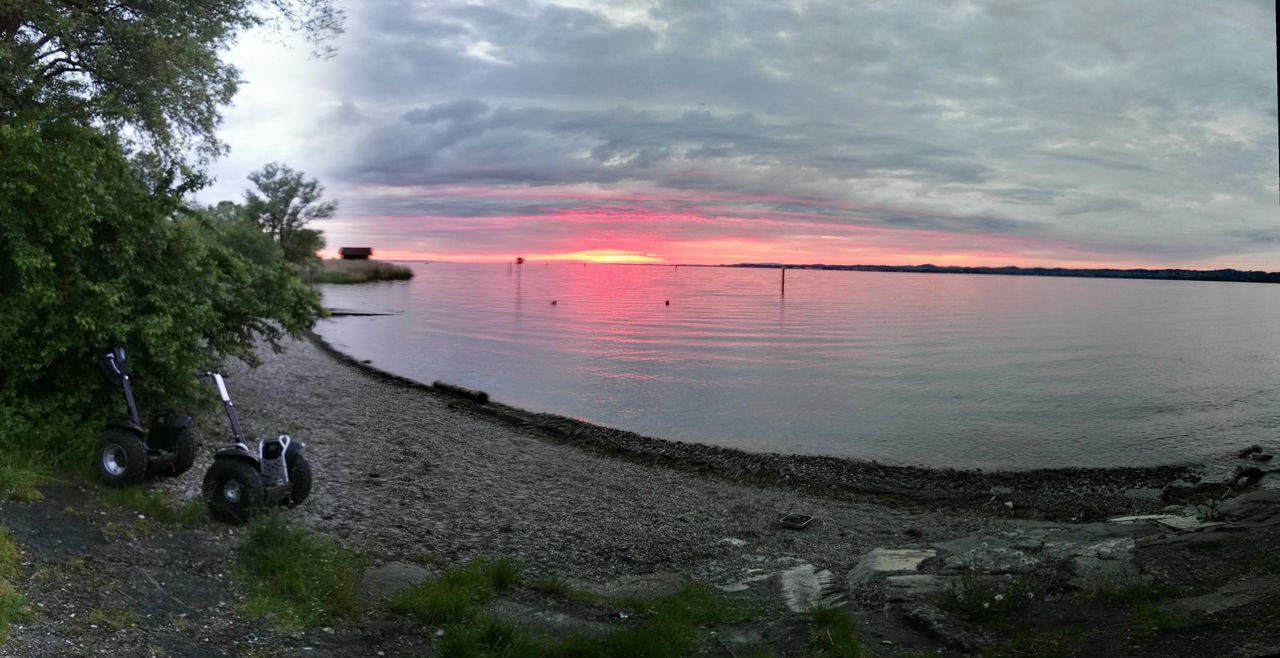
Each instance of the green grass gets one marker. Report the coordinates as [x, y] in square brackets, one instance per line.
[1053, 643]
[1128, 594]
[12, 604]
[455, 603]
[359, 271]
[156, 506]
[295, 577]
[10, 556]
[113, 619]
[696, 605]
[1154, 618]
[457, 595]
[834, 634]
[998, 603]
[18, 482]
[560, 589]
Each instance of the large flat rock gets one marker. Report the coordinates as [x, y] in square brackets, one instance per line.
[879, 562]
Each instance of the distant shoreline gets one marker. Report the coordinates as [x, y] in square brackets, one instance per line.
[1229, 275]
[1169, 274]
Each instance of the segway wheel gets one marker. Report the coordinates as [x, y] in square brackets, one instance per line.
[233, 490]
[185, 445]
[299, 477]
[121, 458]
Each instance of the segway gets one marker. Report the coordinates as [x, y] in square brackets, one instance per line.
[242, 480]
[125, 453]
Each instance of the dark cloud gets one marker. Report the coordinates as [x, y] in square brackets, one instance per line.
[1135, 128]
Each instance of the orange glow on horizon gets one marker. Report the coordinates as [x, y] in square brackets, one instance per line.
[657, 233]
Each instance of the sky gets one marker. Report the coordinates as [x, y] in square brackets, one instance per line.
[1129, 134]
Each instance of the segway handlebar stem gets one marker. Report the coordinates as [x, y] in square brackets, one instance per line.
[226, 404]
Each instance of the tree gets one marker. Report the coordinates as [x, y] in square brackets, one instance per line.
[288, 202]
[93, 252]
[147, 72]
[304, 246]
[102, 105]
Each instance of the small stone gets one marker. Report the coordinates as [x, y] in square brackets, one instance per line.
[1261, 457]
[1250, 450]
[1008, 504]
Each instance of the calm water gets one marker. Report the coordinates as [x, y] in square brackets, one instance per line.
[933, 369]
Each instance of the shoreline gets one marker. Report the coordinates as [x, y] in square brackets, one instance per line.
[1068, 494]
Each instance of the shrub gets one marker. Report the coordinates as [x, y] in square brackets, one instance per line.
[96, 250]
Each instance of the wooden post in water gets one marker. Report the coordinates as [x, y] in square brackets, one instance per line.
[784, 281]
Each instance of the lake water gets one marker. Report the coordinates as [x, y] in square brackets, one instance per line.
[930, 369]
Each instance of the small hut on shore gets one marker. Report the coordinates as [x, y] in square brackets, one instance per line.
[355, 253]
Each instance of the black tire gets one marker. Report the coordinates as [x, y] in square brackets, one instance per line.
[233, 490]
[299, 477]
[120, 458]
[185, 446]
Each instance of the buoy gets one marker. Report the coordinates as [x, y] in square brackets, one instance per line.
[553, 302]
[668, 302]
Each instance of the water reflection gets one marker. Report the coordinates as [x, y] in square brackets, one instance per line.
[909, 368]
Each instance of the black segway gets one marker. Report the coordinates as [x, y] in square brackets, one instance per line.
[126, 454]
[242, 480]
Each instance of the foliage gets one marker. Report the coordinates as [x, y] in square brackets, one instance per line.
[287, 202]
[148, 70]
[303, 246]
[359, 271]
[996, 601]
[17, 480]
[97, 250]
[295, 576]
[834, 634]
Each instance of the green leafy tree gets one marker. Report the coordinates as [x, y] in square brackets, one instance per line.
[148, 71]
[96, 250]
[108, 112]
[285, 203]
[304, 246]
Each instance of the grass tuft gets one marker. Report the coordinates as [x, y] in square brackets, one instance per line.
[695, 605]
[456, 595]
[999, 603]
[662, 628]
[834, 634]
[113, 619]
[296, 577]
[18, 482]
[1054, 643]
[12, 604]
[560, 589]
[359, 271]
[10, 555]
[1154, 618]
[157, 506]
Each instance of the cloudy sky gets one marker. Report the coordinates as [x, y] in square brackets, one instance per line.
[708, 131]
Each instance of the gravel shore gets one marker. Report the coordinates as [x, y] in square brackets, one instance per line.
[402, 469]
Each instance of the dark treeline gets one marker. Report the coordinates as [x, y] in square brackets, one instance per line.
[1103, 273]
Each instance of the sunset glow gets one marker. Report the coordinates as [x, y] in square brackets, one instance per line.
[1128, 135]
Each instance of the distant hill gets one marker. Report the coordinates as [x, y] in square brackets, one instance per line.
[1107, 273]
